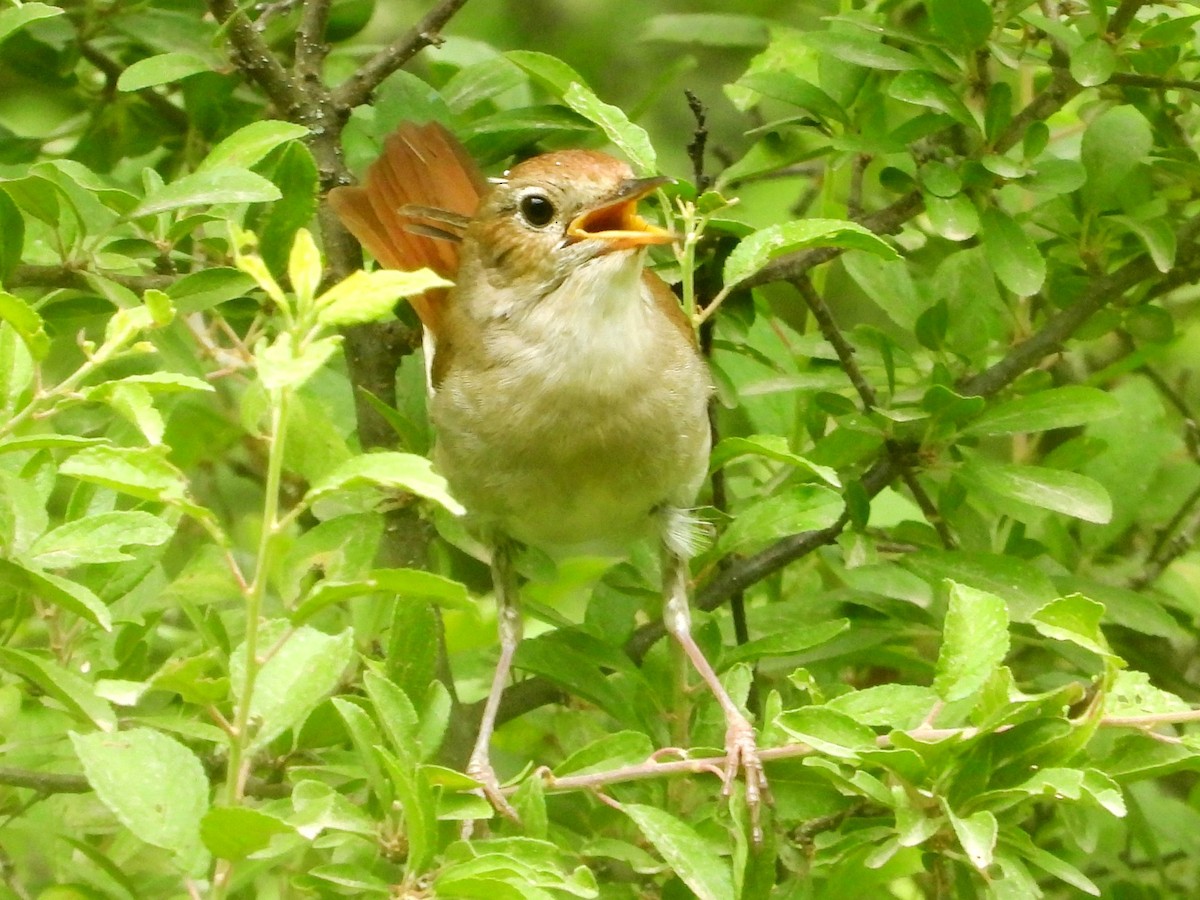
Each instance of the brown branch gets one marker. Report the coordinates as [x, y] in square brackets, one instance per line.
[310, 45]
[252, 55]
[65, 277]
[356, 89]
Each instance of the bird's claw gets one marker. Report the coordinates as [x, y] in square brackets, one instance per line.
[741, 754]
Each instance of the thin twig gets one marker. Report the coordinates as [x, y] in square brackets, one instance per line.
[252, 55]
[356, 89]
[76, 279]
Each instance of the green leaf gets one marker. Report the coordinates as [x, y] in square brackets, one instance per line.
[630, 138]
[611, 751]
[1157, 236]
[923, 88]
[1116, 142]
[248, 145]
[1060, 407]
[855, 47]
[805, 507]
[769, 446]
[707, 30]
[390, 470]
[1054, 489]
[755, 251]
[954, 218]
[234, 832]
[1076, 619]
[1012, 254]
[281, 365]
[63, 592]
[550, 71]
[828, 731]
[303, 669]
[154, 785]
[783, 643]
[974, 642]
[99, 539]
[72, 691]
[12, 19]
[140, 472]
[899, 706]
[371, 296]
[1093, 62]
[790, 88]
[12, 235]
[26, 321]
[407, 583]
[964, 24]
[206, 288]
[976, 835]
[161, 69]
[217, 185]
[415, 795]
[689, 855]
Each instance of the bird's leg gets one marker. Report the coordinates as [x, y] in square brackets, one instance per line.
[741, 748]
[508, 618]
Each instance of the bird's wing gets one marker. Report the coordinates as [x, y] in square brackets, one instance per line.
[413, 202]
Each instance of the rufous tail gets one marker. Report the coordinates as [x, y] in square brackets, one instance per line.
[422, 166]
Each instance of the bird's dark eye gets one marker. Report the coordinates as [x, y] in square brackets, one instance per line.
[537, 210]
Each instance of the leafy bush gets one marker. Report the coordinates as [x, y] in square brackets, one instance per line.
[943, 255]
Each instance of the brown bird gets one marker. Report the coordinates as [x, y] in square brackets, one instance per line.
[567, 391]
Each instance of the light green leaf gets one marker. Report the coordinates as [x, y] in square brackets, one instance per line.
[27, 323]
[1093, 62]
[281, 365]
[769, 446]
[1012, 253]
[217, 185]
[828, 731]
[371, 296]
[976, 834]
[707, 30]
[861, 50]
[161, 69]
[75, 694]
[755, 251]
[1074, 618]
[1060, 407]
[152, 783]
[1054, 489]
[62, 592]
[248, 145]
[99, 538]
[234, 832]
[139, 471]
[407, 583]
[390, 470]
[303, 670]
[48, 442]
[304, 266]
[630, 138]
[805, 507]
[688, 854]
[133, 402]
[550, 71]
[624, 748]
[888, 705]
[22, 15]
[974, 642]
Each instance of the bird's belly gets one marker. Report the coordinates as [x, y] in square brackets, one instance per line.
[580, 467]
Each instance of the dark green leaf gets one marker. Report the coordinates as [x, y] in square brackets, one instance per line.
[1115, 143]
[857, 48]
[964, 24]
[1013, 255]
[974, 642]
[1062, 407]
[1054, 489]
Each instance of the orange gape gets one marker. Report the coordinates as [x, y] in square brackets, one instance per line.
[421, 166]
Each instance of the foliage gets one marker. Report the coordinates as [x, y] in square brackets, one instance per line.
[944, 270]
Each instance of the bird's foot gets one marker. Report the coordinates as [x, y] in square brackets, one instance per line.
[741, 754]
[489, 788]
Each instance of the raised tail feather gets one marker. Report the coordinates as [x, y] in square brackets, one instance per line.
[421, 166]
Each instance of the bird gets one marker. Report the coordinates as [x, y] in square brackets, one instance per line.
[566, 388]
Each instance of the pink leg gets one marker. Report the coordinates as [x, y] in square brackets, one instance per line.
[741, 748]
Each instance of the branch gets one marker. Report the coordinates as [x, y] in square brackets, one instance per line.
[66, 277]
[311, 47]
[356, 89]
[252, 55]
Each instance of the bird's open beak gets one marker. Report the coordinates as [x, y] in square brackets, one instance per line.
[617, 222]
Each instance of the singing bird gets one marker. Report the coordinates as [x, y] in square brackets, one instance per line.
[566, 388]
